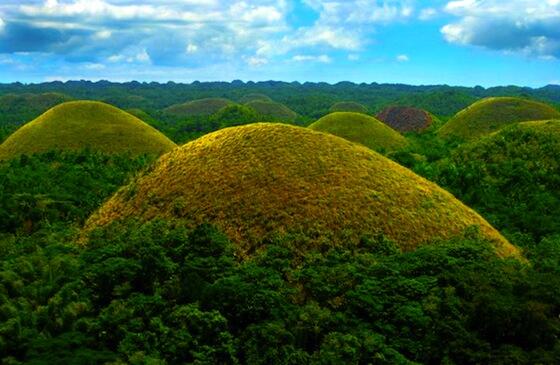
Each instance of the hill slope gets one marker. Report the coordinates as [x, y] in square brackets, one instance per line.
[511, 177]
[491, 114]
[85, 124]
[252, 97]
[198, 107]
[275, 111]
[406, 119]
[361, 128]
[262, 180]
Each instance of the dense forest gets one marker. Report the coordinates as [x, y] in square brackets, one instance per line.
[162, 292]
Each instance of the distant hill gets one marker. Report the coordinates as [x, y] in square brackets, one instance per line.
[254, 97]
[491, 114]
[406, 119]
[275, 111]
[201, 107]
[17, 109]
[362, 129]
[259, 181]
[85, 124]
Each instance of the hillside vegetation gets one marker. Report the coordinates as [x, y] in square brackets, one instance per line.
[511, 177]
[362, 129]
[86, 124]
[491, 114]
[253, 97]
[267, 180]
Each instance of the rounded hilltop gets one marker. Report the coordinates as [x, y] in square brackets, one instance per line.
[253, 97]
[348, 106]
[86, 124]
[511, 176]
[275, 111]
[362, 129]
[199, 107]
[265, 180]
[406, 119]
[491, 114]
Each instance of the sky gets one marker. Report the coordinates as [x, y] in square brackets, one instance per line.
[461, 42]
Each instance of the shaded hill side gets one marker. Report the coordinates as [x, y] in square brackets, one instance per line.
[406, 119]
[348, 106]
[276, 111]
[200, 107]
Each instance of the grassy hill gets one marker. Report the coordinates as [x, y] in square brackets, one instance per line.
[348, 106]
[406, 119]
[276, 111]
[200, 107]
[85, 124]
[361, 128]
[264, 180]
[253, 97]
[491, 114]
[511, 177]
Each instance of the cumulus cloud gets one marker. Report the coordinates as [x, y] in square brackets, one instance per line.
[530, 27]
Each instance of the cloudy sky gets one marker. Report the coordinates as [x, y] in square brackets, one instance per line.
[462, 42]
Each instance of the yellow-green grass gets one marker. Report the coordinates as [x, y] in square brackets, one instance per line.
[267, 180]
[406, 119]
[362, 129]
[491, 114]
[200, 107]
[348, 106]
[273, 110]
[252, 97]
[85, 124]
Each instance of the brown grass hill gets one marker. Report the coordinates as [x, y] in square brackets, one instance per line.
[362, 129]
[86, 124]
[263, 180]
[491, 114]
[406, 119]
[275, 111]
[252, 97]
[348, 106]
[200, 107]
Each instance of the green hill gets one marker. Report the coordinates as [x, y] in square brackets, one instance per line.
[491, 114]
[511, 177]
[263, 180]
[348, 106]
[253, 97]
[200, 107]
[273, 110]
[362, 129]
[406, 119]
[85, 124]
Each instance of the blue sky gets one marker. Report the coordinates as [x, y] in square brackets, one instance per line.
[461, 42]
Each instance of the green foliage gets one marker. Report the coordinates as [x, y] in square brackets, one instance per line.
[55, 187]
[348, 106]
[234, 115]
[511, 177]
[160, 293]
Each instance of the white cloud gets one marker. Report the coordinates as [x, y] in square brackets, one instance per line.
[191, 48]
[94, 66]
[402, 58]
[427, 14]
[2, 24]
[256, 61]
[530, 27]
[308, 58]
[353, 57]
[103, 34]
